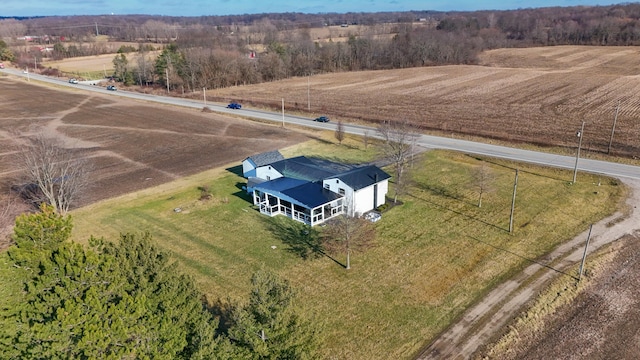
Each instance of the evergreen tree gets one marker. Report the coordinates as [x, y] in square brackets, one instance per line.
[268, 327]
[114, 301]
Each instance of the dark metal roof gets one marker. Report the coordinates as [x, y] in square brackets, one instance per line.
[300, 192]
[310, 169]
[266, 158]
[362, 177]
[312, 195]
[280, 184]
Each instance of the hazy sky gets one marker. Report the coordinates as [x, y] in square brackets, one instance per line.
[237, 7]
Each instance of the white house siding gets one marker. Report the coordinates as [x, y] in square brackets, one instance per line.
[248, 168]
[267, 173]
[359, 201]
[364, 197]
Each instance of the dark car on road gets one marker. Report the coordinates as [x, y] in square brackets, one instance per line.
[234, 105]
[321, 119]
[112, 88]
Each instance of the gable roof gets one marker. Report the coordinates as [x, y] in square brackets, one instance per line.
[310, 169]
[362, 177]
[266, 158]
[300, 192]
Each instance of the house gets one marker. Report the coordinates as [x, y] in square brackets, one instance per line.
[312, 190]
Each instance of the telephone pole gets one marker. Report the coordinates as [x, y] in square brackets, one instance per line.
[613, 129]
[575, 169]
[282, 112]
[204, 95]
[513, 202]
[584, 256]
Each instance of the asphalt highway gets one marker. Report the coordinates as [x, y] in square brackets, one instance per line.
[427, 141]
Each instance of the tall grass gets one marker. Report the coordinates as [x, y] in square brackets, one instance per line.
[435, 254]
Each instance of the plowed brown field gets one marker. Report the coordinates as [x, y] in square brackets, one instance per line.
[132, 145]
[536, 95]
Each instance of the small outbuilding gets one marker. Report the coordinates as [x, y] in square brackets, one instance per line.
[250, 164]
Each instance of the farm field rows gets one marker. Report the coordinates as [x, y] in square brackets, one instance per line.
[536, 95]
[131, 145]
[435, 255]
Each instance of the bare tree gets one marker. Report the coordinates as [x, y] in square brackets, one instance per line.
[12, 29]
[9, 208]
[339, 134]
[54, 174]
[397, 147]
[348, 233]
[482, 177]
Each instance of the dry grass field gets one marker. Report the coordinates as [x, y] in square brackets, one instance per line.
[536, 95]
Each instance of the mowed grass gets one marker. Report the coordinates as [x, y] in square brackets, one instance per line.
[435, 254]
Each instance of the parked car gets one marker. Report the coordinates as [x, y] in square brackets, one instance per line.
[112, 88]
[73, 81]
[321, 119]
[234, 105]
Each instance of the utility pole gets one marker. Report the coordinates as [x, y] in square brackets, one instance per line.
[613, 129]
[166, 71]
[584, 256]
[97, 33]
[204, 94]
[575, 169]
[513, 202]
[282, 112]
[308, 94]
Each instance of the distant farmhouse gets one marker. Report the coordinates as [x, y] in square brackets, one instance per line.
[312, 190]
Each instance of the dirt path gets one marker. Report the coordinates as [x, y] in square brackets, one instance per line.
[476, 327]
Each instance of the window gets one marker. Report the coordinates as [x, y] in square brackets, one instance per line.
[327, 186]
[268, 177]
[337, 181]
[341, 191]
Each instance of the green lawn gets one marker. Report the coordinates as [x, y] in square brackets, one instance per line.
[435, 254]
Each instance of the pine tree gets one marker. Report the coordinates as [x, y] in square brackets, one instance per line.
[268, 327]
[113, 301]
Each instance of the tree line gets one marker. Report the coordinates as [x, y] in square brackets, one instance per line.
[213, 52]
[202, 60]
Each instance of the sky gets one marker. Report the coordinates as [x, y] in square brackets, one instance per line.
[239, 7]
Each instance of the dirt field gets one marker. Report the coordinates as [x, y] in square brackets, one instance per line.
[132, 145]
[538, 95]
[602, 323]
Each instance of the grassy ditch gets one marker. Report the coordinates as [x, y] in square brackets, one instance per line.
[435, 254]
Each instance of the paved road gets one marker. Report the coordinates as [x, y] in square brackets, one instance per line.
[473, 329]
[427, 141]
